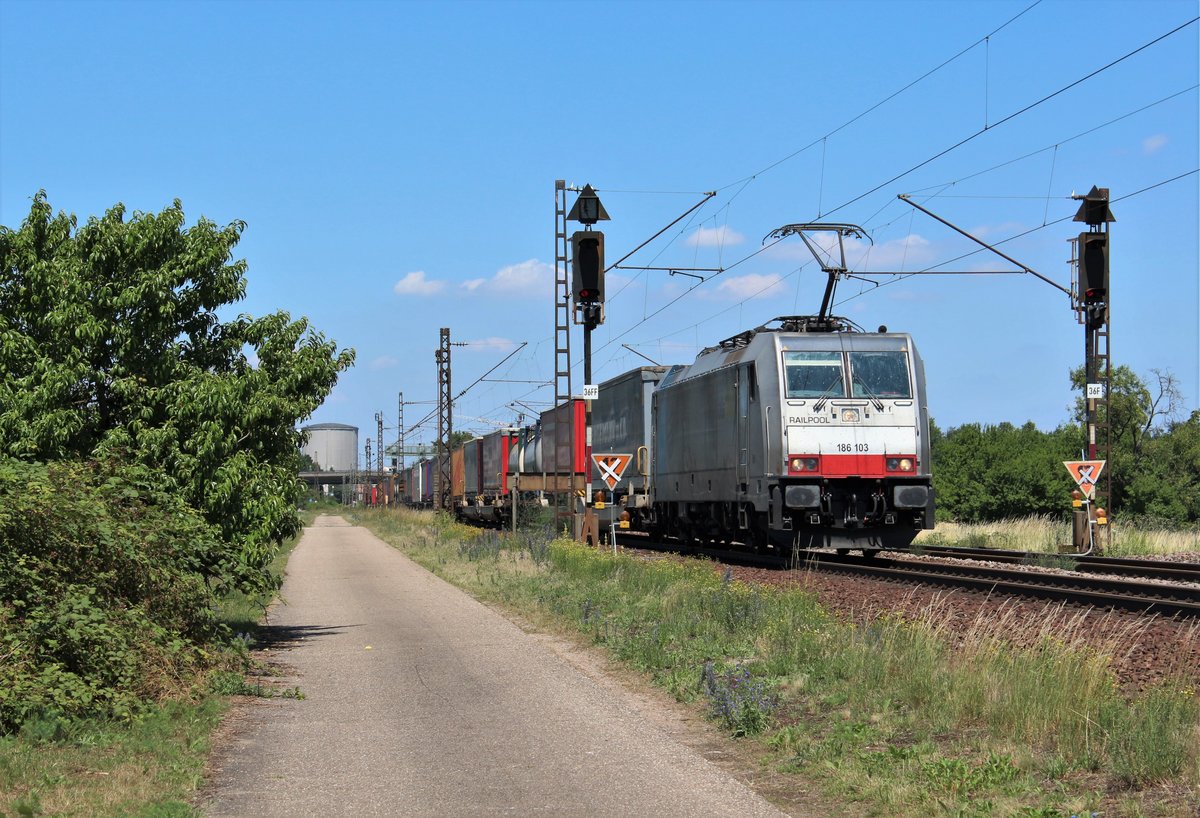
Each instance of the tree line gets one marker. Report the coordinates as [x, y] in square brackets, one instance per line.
[987, 473]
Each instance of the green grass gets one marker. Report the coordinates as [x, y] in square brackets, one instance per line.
[893, 715]
[150, 766]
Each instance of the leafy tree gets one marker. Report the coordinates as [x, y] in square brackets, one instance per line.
[111, 345]
[997, 472]
[1154, 457]
[459, 438]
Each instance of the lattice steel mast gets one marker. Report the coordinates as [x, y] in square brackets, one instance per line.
[441, 487]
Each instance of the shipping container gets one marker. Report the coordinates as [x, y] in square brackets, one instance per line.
[563, 452]
[494, 451]
[427, 467]
[458, 475]
[472, 463]
[621, 427]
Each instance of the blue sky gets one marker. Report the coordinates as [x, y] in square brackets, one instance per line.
[395, 165]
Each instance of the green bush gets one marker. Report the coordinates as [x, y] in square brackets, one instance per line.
[103, 609]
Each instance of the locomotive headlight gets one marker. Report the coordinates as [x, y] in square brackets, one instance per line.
[849, 416]
[899, 464]
[803, 464]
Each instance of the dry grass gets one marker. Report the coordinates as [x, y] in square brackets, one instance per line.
[1043, 534]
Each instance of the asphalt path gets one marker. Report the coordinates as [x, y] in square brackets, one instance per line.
[418, 700]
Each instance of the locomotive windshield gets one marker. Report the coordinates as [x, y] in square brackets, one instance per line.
[814, 374]
[880, 374]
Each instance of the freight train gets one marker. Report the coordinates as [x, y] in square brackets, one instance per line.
[802, 433]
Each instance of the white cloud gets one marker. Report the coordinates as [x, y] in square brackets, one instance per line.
[911, 252]
[530, 277]
[415, 283]
[907, 253]
[1003, 229]
[491, 344]
[383, 362]
[753, 285]
[715, 237]
[1153, 144]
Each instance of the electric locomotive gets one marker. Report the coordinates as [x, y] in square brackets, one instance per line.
[801, 433]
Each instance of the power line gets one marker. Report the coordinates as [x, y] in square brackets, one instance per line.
[936, 156]
[1059, 143]
[901, 276]
[883, 101]
[745, 181]
[1013, 115]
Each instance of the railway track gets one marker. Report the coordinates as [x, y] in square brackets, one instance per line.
[1123, 566]
[1100, 592]
[1145, 597]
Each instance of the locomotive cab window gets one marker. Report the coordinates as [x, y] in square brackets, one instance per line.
[814, 374]
[879, 375]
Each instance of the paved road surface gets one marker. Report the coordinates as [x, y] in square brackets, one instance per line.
[421, 701]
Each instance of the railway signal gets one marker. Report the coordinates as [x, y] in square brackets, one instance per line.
[587, 295]
[1091, 302]
[587, 269]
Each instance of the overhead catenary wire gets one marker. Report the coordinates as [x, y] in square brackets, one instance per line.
[746, 180]
[1014, 115]
[897, 277]
[934, 157]
[883, 101]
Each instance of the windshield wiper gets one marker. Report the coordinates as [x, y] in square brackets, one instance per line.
[821, 401]
[878, 404]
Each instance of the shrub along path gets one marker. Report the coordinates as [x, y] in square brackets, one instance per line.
[418, 700]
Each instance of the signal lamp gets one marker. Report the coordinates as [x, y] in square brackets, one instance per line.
[587, 267]
[1093, 267]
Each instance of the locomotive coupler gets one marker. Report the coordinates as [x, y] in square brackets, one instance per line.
[850, 520]
[878, 506]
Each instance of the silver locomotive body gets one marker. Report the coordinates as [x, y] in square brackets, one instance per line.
[780, 438]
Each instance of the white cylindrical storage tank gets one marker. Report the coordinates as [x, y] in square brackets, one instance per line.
[334, 446]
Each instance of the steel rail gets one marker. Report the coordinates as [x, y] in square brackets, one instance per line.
[1127, 566]
[1098, 592]
[1141, 597]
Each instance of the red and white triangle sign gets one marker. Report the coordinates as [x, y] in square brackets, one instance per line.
[611, 467]
[1086, 474]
